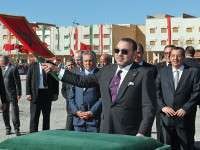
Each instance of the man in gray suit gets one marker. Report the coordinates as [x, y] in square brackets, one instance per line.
[126, 91]
[13, 94]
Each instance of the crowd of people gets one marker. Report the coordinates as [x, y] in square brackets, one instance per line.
[117, 98]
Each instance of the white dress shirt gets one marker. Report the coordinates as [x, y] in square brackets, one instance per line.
[41, 84]
[180, 70]
[124, 72]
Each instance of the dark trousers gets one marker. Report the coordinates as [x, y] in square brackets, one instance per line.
[69, 121]
[178, 138]
[42, 104]
[158, 128]
[14, 113]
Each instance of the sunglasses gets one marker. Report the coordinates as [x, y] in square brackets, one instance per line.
[123, 51]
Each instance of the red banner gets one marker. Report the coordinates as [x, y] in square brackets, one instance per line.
[84, 47]
[23, 31]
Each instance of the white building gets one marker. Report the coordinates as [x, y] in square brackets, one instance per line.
[185, 31]
[98, 37]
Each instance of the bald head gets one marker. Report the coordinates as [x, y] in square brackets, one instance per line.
[105, 59]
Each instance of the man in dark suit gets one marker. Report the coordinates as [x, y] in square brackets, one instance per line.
[2, 92]
[189, 57]
[41, 90]
[139, 59]
[65, 93]
[178, 91]
[165, 63]
[13, 93]
[84, 102]
[126, 92]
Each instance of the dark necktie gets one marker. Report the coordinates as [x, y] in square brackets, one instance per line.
[114, 85]
[44, 78]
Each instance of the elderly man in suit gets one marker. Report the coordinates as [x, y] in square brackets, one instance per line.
[84, 102]
[41, 90]
[126, 91]
[178, 91]
[13, 94]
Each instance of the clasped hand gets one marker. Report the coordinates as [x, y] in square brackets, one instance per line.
[170, 112]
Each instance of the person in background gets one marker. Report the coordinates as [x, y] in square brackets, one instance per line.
[41, 90]
[105, 60]
[84, 102]
[13, 90]
[65, 93]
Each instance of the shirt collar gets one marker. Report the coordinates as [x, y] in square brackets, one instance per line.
[141, 63]
[89, 72]
[124, 69]
[179, 69]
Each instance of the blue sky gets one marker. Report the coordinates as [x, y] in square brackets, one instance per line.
[63, 12]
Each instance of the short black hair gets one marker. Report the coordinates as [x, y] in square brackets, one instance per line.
[130, 41]
[181, 49]
[190, 51]
[140, 47]
[170, 46]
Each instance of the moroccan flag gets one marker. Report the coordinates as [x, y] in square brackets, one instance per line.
[23, 31]
[85, 47]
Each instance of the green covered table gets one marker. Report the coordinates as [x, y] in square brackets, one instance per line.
[68, 140]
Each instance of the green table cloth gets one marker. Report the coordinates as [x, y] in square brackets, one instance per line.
[69, 140]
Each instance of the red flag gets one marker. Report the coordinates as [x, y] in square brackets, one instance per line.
[76, 39]
[8, 47]
[71, 52]
[22, 30]
[84, 46]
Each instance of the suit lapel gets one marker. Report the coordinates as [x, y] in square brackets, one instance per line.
[7, 70]
[183, 77]
[130, 76]
[169, 75]
[37, 74]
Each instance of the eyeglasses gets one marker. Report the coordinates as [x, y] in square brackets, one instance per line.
[123, 51]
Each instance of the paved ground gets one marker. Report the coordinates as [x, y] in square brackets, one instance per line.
[58, 117]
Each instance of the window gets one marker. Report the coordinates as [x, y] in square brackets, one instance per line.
[96, 35]
[175, 29]
[152, 42]
[106, 35]
[96, 47]
[163, 42]
[152, 30]
[189, 42]
[66, 48]
[163, 30]
[175, 42]
[5, 37]
[65, 36]
[86, 36]
[189, 29]
[106, 47]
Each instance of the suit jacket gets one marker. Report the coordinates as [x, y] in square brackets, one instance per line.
[192, 62]
[185, 96]
[85, 99]
[2, 88]
[32, 84]
[12, 83]
[133, 110]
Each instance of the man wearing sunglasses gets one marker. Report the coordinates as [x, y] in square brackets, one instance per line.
[126, 91]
